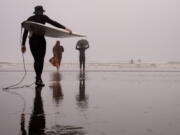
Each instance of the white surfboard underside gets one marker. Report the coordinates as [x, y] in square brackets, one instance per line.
[41, 29]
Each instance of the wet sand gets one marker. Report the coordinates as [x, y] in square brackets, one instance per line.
[97, 103]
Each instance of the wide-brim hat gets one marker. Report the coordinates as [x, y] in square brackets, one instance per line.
[38, 9]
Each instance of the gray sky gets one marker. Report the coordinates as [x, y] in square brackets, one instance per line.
[117, 30]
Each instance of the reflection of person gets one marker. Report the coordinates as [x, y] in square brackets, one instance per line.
[37, 119]
[57, 92]
[57, 55]
[23, 131]
[38, 42]
[82, 45]
[82, 97]
[56, 87]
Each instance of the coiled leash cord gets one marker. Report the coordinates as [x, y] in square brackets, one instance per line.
[15, 86]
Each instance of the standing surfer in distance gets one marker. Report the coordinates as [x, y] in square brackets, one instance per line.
[38, 42]
[82, 45]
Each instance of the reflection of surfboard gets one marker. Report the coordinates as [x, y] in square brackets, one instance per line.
[41, 29]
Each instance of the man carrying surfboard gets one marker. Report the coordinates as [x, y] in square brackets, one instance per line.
[38, 42]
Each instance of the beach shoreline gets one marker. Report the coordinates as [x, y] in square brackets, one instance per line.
[95, 67]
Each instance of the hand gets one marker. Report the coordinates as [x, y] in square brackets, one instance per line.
[70, 32]
[23, 49]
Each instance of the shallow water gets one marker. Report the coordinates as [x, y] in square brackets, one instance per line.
[97, 103]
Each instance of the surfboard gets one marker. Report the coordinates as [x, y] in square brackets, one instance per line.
[83, 43]
[49, 31]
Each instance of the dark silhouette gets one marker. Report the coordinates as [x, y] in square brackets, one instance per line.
[37, 42]
[56, 87]
[37, 121]
[82, 45]
[23, 130]
[82, 98]
[57, 92]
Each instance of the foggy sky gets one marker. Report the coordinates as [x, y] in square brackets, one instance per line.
[117, 30]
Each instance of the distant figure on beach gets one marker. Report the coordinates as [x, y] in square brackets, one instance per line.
[38, 42]
[131, 61]
[57, 55]
[82, 45]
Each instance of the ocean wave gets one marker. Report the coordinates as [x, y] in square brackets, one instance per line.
[5, 66]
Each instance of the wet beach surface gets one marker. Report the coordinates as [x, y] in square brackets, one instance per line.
[94, 103]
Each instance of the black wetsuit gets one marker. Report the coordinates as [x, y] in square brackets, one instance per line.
[38, 42]
[82, 56]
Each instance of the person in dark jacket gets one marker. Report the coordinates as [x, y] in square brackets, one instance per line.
[38, 42]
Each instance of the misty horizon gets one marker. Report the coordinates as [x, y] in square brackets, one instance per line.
[117, 31]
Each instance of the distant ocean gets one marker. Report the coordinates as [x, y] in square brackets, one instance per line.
[98, 67]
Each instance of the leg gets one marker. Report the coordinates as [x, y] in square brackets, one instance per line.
[80, 62]
[59, 64]
[38, 66]
[38, 50]
[83, 63]
[59, 60]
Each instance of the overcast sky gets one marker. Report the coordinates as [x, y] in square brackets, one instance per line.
[117, 30]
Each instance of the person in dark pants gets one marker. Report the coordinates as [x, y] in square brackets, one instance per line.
[38, 42]
[82, 45]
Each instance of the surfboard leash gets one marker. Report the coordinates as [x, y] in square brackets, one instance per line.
[15, 86]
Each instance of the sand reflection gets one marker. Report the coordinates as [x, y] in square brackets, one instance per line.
[56, 87]
[37, 121]
[82, 98]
